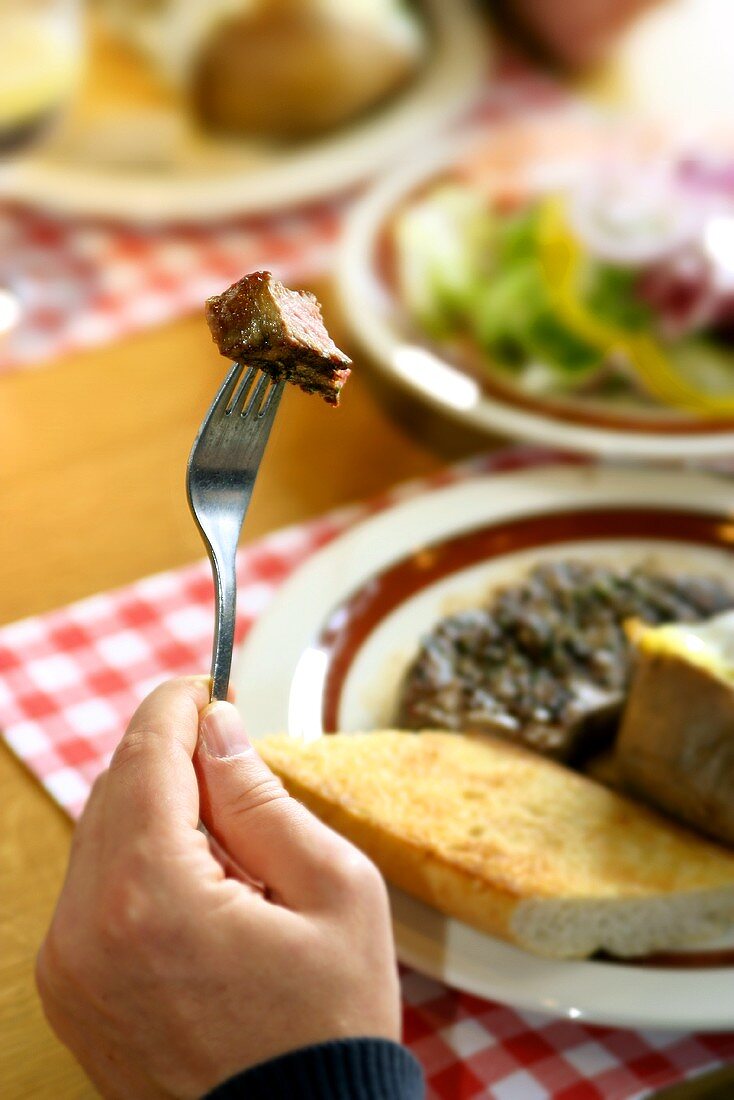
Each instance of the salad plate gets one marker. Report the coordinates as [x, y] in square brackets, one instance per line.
[331, 650]
[563, 279]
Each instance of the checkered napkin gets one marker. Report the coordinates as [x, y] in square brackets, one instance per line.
[85, 283]
[69, 681]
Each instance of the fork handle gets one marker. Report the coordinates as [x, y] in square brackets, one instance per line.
[225, 583]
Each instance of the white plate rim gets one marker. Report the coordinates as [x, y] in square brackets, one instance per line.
[361, 299]
[331, 166]
[589, 992]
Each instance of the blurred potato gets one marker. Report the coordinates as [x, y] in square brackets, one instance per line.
[289, 74]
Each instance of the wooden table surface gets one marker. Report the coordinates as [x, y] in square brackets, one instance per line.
[92, 458]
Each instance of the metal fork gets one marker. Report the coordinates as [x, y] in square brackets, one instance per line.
[220, 475]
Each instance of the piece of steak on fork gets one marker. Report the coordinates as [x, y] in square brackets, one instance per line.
[259, 322]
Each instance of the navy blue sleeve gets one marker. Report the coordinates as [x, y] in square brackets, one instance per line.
[344, 1069]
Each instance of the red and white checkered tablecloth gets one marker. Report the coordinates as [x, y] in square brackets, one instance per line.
[69, 681]
[83, 283]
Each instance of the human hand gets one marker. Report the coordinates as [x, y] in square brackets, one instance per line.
[163, 974]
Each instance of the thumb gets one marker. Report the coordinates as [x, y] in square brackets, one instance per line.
[271, 836]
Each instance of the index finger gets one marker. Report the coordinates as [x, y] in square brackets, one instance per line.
[151, 783]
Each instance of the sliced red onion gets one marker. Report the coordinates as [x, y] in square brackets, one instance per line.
[634, 215]
[682, 291]
[707, 176]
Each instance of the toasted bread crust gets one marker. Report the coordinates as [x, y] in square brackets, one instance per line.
[481, 829]
[410, 866]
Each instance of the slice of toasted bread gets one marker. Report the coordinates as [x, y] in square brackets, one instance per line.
[512, 843]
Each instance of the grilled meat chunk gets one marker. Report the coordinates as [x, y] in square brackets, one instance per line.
[260, 322]
[547, 662]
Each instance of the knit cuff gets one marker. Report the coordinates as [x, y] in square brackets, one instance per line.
[344, 1069]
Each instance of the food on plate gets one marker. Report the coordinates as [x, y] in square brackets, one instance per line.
[546, 661]
[289, 69]
[676, 741]
[614, 286]
[512, 843]
[276, 69]
[259, 322]
[124, 114]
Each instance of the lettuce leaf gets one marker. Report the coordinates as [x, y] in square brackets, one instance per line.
[514, 322]
[443, 244]
[462, 269]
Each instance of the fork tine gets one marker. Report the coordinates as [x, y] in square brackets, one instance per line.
[256, 397]
[221, 401]
[275, 391]
[243, 388]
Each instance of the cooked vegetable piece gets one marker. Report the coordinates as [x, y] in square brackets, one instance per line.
[676, 741]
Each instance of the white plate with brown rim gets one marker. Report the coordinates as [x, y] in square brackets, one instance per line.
[542, 153]
[330, 650]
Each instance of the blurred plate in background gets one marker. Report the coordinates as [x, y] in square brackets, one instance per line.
[670, 64]
[212, 180]
[529, 161]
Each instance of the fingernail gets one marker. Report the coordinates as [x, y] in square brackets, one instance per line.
[222, 732]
